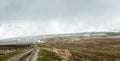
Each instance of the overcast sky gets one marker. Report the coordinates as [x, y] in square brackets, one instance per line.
[38, 17]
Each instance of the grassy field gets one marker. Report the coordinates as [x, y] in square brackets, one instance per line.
[9, 54]
[45, 55]
[87, 48]
[8, 51]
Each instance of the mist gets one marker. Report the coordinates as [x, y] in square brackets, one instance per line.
[37, 17]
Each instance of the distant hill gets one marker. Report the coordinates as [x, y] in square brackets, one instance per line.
[40, 39]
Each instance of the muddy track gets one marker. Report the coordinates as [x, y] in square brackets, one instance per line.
[21, 56]
[29, 56]
[25, 56]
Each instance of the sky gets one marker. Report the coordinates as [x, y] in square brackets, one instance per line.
[39, 17]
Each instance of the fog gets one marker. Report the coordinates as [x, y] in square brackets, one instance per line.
[39, 17]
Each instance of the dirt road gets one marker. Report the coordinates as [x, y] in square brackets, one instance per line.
[27, 55]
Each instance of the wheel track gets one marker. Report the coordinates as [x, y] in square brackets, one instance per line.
[31, 56]
[18, 56]
[24, 58]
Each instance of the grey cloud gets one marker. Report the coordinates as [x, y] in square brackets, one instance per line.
[30, 9]
[58, 16]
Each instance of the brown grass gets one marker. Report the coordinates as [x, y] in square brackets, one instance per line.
[88, 48]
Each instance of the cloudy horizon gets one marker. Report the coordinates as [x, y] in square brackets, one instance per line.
[39, 17]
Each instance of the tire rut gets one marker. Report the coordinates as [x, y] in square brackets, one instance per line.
[18, 56]
[30, 56]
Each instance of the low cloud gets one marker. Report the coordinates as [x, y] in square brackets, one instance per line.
[38, 17]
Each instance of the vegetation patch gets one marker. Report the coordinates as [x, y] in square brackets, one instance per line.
[45, 55]
[88, 48]
[7, 55]
[94, 55]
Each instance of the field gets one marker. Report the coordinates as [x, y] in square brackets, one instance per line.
[85, 48]
[93, 48]
[13, 52]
